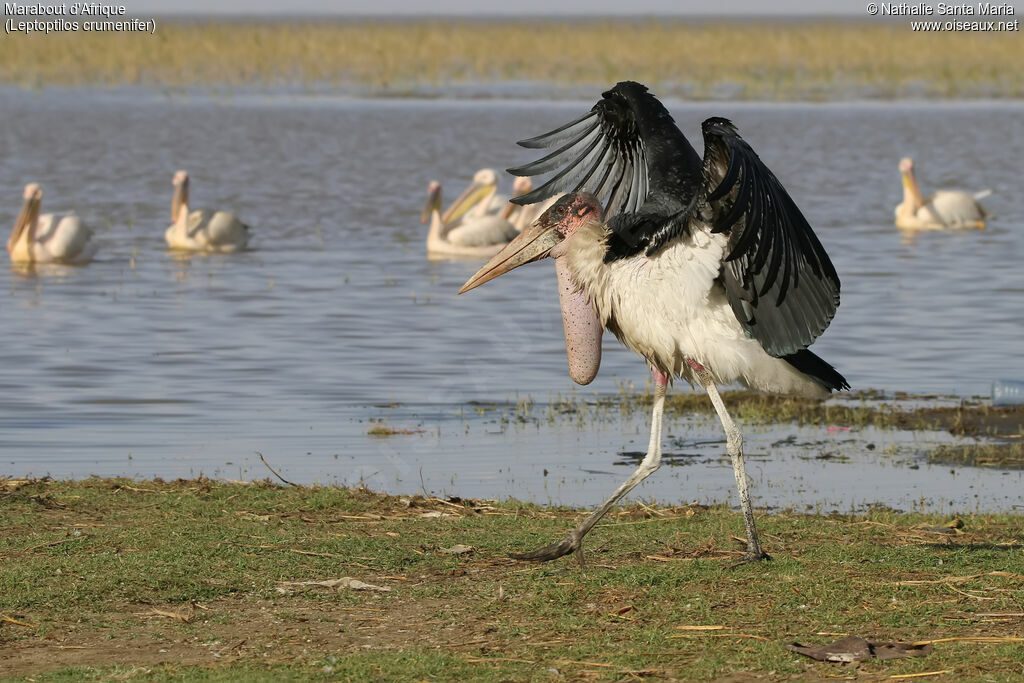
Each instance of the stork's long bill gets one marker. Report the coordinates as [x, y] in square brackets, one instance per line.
[532, 244]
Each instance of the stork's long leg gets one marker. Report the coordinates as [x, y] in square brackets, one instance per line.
[650, 463]
[734, 445]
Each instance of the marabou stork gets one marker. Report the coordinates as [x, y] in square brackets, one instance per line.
[49, 238]
[945, 210]
[202, 229]
[706, 268]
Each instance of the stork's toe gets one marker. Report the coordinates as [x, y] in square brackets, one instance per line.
[551, 552]
[752, 557]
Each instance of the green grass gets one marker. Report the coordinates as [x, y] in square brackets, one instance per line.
[113, 578]
[719, 59]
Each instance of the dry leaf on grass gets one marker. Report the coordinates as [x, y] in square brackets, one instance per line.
[973, 639]
[699, 628]
[287, 587]
[170, 614]
[459, 549]
[855, 649]
[245, 514]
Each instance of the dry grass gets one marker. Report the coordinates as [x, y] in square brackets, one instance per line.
[770, 60]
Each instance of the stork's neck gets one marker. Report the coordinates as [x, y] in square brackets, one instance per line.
[584, 257]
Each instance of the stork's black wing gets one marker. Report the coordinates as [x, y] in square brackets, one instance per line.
[628, 151]
[780, 282]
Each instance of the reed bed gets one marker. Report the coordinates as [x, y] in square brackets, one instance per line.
[767, 60]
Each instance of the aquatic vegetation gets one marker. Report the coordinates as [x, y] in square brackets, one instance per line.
[1000, 454]
[855, 410]
[382, 430]
[718, 59]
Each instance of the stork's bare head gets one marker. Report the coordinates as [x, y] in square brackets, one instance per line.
[570, 213]
[906, 165]
[546, 237]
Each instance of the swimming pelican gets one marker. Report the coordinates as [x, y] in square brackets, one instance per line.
[481, 197]
[945, 210]
[467, 228]
[707, 269]
[526, 215]
[202, 229]
[48, 238]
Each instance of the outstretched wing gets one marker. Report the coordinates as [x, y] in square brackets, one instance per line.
[779, 280]
[628, 152]
[597, 153]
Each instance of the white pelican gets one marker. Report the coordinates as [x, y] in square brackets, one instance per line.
[526, 215]
[48, 238]
[484, 187]
[202, 229]
[945, 210]
[706, 268]
[468, 228]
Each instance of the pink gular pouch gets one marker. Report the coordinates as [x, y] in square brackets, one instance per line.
[583, 329]
[547, 238]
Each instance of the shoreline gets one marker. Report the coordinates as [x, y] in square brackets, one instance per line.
[813, 59]
[935, 453]
[488, 94]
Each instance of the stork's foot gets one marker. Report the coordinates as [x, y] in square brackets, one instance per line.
[760, 556]
[569, 544]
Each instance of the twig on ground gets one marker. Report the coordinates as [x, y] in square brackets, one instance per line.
[273, 471]
[921, 675]
[972, 639]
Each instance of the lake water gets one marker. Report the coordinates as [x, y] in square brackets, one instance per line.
[149, 364]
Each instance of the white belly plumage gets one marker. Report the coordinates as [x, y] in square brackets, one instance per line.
[669, 308]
